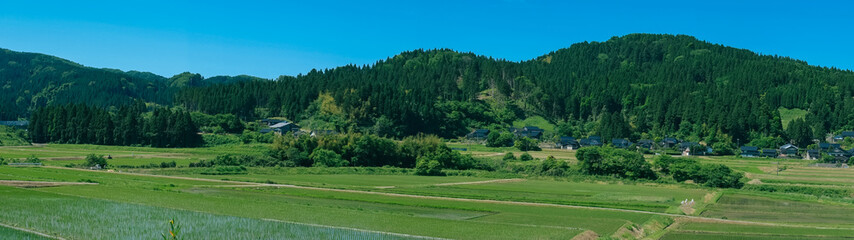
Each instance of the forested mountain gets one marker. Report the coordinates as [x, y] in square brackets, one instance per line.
[636, 86]
[31, 80]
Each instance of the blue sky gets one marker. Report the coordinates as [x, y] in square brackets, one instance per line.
[272, 38]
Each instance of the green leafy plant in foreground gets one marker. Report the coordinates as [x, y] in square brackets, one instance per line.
[174, 231]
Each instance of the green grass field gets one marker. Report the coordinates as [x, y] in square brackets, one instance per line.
[787, 115]
[391, 203]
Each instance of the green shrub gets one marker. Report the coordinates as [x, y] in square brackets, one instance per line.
[226, 170]
[428, 167]
[509, 157]
[526, 157]
[3, 161]
[95, 160]
[171, 164]
[32, 159]
[553, 167]
[815, 191]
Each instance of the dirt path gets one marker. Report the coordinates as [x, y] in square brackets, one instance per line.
[31, 231]
[481, 182]
[535, 204]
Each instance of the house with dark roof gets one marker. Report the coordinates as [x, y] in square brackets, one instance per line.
[15, 124]
[528, 132]
[749, 151]
[568, 143]
[645, 144]
[669, 142]
[789, 150]
[769, 153]
[842, 136]
[838, 153]
[281, 128]
[592, 141]
[271, 122]
[621, 143]
[478, 134]
[812, 154]
[824, 147]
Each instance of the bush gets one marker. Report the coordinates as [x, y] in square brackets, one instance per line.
[553, 167]
[428, 167]
[3, 161]
[226, 170]
[32, 159]
[327, 158]
[171, 164]
[509, 157]
[526, 157]
[526, 144]
[711, 175]
[95, 160]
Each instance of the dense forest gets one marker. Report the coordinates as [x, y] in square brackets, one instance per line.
[635, 86]
[130, 125]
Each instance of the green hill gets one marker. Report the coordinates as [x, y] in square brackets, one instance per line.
[638, 85]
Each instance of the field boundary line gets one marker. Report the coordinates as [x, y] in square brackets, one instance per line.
[31, 231]
[481, 182]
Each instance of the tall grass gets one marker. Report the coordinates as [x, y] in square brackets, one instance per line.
[81, 218]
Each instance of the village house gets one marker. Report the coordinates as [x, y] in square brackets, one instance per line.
[812, 154]
[769, 153]
[749, 151]
[528, 132]
[478, 134]
[270, 122]
[789, 150]
[841, 137]
[621, 143]
[281, 128]
[592, 141]
[568, 143]
[645, 144]
[669, 142]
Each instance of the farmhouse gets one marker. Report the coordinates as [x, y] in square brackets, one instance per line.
[645, 144]
[824, 147]
[770, 153]
[592, 141]
[789, 150]
[270, 122]
[568, 143]
[669, 142]
[812, 154]
[841, 137]
[281, 127]
[749, 151]
[478, 134]
[621, 143]
[528, 132]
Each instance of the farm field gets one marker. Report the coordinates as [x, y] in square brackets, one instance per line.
[392, 203]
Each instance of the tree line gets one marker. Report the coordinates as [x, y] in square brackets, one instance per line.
[128, 126]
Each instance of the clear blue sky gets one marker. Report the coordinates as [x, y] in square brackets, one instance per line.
[273, 38]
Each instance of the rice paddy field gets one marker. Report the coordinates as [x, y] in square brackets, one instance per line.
[127, 202]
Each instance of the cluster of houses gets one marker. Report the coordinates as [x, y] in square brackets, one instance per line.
[792, 151]
[570, 143]
[284, 127]
[785, 151]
